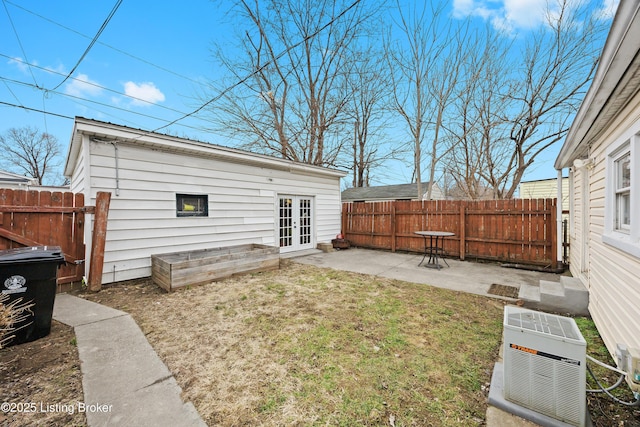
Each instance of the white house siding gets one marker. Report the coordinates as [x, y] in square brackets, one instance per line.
[242, 202]
[613, 278]
[578, 260]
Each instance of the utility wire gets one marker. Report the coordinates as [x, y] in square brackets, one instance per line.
[267, 64]
[93, 41]
[77, 98]
[11, 92]
[19, 41]
[105, 44]
[81, 81]
[36, 110]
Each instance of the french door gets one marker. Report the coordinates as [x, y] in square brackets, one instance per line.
[295, 229]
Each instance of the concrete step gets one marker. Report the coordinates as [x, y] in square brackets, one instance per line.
[529, 293]
[567, 296]
[551, 292]
[576, 294]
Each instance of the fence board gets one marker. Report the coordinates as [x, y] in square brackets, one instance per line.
[44, 218]
[517, 231]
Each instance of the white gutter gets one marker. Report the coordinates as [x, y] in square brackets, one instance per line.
[618, 52]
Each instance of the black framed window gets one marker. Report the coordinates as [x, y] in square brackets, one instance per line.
[192, 205]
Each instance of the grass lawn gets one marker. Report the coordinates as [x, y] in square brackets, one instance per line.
[310, 346]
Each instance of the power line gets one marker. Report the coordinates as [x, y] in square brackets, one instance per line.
[36, 110]
[105, 44]
[93, 41]
[77, 98]
[11, 92]
[81, 81]
[19, 41]
[268, 63]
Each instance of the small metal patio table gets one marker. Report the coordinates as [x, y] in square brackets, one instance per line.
[435, 248]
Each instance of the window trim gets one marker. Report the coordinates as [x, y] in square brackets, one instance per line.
[624, 238]
[202, 198]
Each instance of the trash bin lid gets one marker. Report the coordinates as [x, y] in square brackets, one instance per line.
[32, 254]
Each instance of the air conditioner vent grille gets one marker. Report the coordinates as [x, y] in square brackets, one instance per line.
[547, 324]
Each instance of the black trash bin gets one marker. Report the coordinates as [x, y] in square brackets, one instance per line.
[30, 274]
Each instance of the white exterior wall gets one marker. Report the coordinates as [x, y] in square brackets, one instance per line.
[613, 276]
[243, 202]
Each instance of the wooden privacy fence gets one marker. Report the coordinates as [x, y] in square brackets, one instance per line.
[519, 231]
[45, 218]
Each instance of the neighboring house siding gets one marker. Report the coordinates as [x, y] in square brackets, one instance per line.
[76, 181]
[545, 189]
[612, 273]
[242, 203]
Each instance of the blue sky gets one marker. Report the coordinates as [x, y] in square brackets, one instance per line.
[150, 61]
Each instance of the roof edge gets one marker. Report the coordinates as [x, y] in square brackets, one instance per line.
[614, 62]
[119, 132]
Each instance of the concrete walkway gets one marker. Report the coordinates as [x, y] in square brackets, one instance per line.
[124, 381]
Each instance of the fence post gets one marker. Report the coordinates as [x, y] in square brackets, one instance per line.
[343, 225]
[463, 221]
[554, 233]
[98, 241]
[393, 227]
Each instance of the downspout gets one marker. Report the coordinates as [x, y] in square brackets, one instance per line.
[559, 242]
[115, 146]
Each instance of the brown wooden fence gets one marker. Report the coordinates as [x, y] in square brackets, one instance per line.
[516, 231]
[44, 218]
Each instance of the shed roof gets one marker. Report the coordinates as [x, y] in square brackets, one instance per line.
[16, 179]
[118, 133]
[384, 192]
[616, 81]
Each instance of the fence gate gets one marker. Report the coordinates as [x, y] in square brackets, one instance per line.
[45, 218]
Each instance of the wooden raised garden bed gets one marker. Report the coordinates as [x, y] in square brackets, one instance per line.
[175, 270]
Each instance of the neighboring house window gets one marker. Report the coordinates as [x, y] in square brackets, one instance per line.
[192, 205]
[622, 197]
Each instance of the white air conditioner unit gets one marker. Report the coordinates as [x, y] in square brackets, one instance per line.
[544, 364]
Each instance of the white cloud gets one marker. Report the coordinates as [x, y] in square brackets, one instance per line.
[20, 64]
[511, 15]
[608, 9]
[143, 93]
[82, 86]
[525, 13]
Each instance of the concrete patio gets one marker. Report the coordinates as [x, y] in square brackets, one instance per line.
[464, 276]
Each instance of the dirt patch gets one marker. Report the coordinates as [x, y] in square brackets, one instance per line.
[41, 381]
[503, 290]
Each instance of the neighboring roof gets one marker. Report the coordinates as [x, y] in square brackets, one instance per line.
[384, 192]
[616, 81]
[543, 180]
[117, 133]
[15, 178]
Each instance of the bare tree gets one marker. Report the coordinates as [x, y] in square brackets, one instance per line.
[478, 117]
[293, 94]
[511, 111]
[28, 151]
[559, 62]
[413, 61]
[368, 109]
